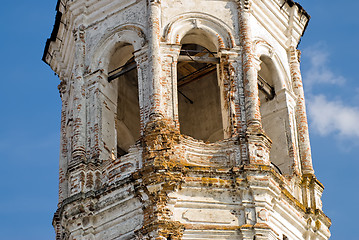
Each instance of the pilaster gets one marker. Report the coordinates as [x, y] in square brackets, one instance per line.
[169, 55]
[64, 140]
[145, 85]
[79, 100]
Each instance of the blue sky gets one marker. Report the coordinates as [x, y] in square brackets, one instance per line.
[30, 122]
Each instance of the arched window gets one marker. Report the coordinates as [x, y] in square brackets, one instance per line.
[123, 75]
[274, 113]
[199, 98]
[266, 77]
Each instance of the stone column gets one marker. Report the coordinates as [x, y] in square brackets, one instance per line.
[154, 11]
[258, 143]
[301, 115]
[64, 141]
[79, 98]
[240, 126]
[249, 68]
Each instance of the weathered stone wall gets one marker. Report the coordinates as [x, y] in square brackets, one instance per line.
[257, 183]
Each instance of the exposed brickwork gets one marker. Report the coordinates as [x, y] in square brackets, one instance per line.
[258, 152]
[301, 116]
[160, 175]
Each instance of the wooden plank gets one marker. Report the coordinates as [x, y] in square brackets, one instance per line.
[197, 75]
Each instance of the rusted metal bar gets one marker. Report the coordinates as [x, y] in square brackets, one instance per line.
[125, 69]
[185, 96]
[201, 59]
[129, 62]
[197, 51]
[267, 89]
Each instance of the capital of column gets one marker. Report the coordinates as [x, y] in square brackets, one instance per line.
[141, 55]
[79, 33]
[245, 5]
[231, 55]
[172, 50]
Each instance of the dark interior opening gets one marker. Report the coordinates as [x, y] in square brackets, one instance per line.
[123, 73]
[199, 105]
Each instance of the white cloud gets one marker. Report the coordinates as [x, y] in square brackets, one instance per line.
[318, 71]
[328, 117]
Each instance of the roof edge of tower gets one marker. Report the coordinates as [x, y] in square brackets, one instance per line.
[291, 3]
[54, 32]
[58, 16]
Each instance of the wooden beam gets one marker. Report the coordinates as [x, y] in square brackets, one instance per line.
[200, 59]
[197, 74]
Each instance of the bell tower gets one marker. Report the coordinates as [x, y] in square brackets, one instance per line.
[183, 119]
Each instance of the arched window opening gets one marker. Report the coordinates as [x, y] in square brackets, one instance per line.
[199, 102]
[274, 115]
[265, 82]
[123, 75]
